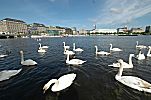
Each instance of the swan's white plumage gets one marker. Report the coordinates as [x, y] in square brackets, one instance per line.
[66, 52]
[62, 83]
[101, 52]
[74, 61]
[132, 81]
[6, 74]
[28, 62]
[43, 47]
[40, 50]
[140, 56]
[3, 55]
[65, 47]
[148, 53]
[114, 49]
[77, 49]
[139, 46]
[125, 64]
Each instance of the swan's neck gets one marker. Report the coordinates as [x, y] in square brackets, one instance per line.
[73, 46]
[119, 74]
[22, 57]
[53, 81]
[64, 44]
[65, 49]
[130, 60]
[96, 50]
[110, 46]
[39, 45]
[49, 84]
[136, 43]
[67, 57]
[148, 53]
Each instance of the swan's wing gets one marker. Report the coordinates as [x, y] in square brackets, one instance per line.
[6, 74]
[29, 62]
[66, 80]
[115, 65]
[136, 83]
[79, 49]
[77, 61]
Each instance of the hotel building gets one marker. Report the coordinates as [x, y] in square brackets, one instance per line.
[13, 26]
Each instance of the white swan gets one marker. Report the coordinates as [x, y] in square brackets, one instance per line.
[140, 56]
[132, 81]
[28, 62]
[148, 53]
[101, 52]
[139, 46]
[40, 50]
[65, 47]
[43, 47]
[114, 49]
[6, 74]
[74, 61]
[62, 83]
[66, 51]
[3, 55]
[125, 65]
[77, 49]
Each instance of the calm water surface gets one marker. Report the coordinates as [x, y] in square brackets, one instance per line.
[95, 79]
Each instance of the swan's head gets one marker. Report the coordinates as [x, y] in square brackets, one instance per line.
[120, 61]
[46, 86]
[110, 44]
[149, 47]
[132, 55]
[21, 52]
[95, 46]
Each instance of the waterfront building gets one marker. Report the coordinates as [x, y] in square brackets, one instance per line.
[83, 31]
[68, 31]
[37, 28]
[122, 30]
[148, 29]
[74, 30]
[13, 27]
[55, 31]
[104, 31]
[137, 30]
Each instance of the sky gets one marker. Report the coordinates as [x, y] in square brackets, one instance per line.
[79, 13]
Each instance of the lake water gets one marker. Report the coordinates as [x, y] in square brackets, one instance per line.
[95, 79]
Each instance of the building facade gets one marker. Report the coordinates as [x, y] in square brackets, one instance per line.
[137, 30]
[148, 29]
[37, 28]
[122, 30]
[55, 31]
[13, 26]
[104, 31]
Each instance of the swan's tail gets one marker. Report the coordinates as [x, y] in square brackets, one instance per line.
[110, 65]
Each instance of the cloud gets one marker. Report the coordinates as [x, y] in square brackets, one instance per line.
[115, 10]
[122, 11]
